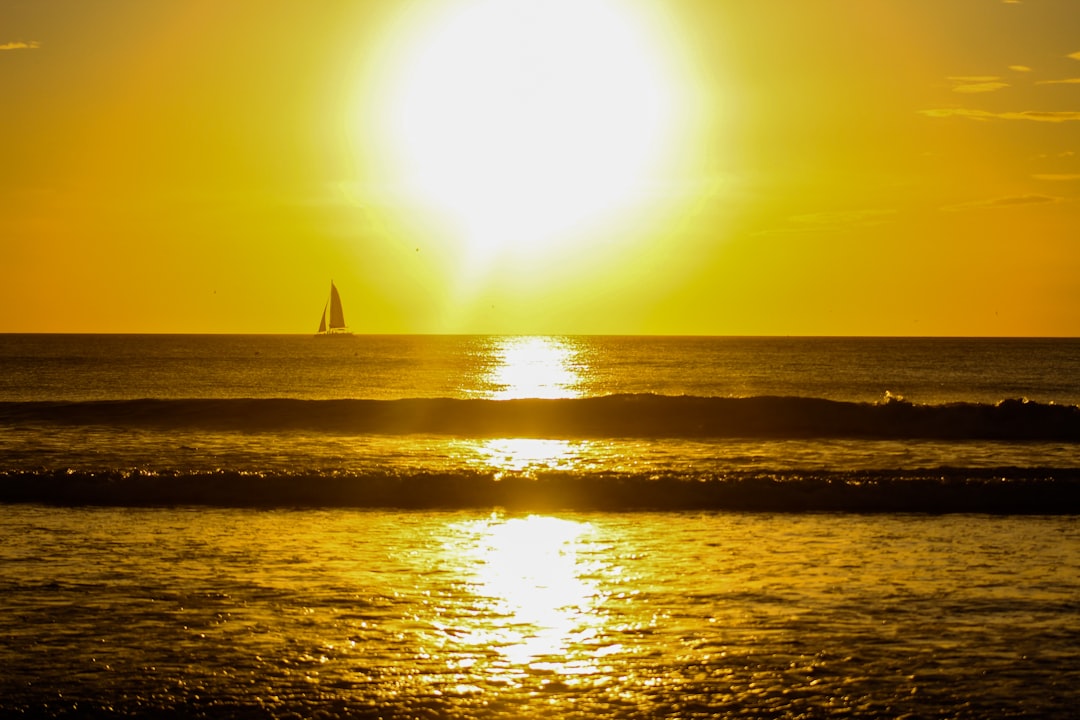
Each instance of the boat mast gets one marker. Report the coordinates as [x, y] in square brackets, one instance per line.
[322, 319]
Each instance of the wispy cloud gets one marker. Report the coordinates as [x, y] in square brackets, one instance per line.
[1057, 177]
[1033, 115]
[832, 221]
[20, 45]
[1075, 55]
[977, 84]
[1003, 202]
[1020, 68]
[843, 217]
[1064, 81]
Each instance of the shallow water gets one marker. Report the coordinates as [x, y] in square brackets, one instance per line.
[212, 612]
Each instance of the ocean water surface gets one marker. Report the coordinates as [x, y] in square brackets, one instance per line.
[273, 526]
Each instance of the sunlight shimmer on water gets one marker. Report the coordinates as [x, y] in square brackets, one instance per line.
[217, 612]
[540, 597]
[532, 367]
[527, 455]
[535, 367]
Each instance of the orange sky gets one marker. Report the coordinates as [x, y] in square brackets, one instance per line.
[885, 167]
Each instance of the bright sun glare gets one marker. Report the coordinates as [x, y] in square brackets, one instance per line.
[526, 124]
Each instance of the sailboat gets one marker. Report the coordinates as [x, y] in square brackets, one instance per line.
[336, 326]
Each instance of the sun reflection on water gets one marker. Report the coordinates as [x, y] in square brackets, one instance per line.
[535, 367]
[538, 594]
[532, 367]
[527, 455]
[535, 587]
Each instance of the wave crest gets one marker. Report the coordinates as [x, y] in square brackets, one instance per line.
[640, 416]
[940, 490]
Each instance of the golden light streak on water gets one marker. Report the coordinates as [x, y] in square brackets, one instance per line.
[532, 367]
[527, 455]
[541, 600]
[535, 367]
[213, 612]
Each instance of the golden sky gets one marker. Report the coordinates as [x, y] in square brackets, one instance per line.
[881, 167]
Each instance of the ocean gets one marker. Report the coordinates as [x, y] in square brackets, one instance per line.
[504, 527]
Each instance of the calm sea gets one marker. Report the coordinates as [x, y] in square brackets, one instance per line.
[434, 526]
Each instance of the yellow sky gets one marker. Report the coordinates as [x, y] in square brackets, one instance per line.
[886, 167]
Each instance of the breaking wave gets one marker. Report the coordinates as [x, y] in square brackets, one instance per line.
[941, 490]
[638, 416]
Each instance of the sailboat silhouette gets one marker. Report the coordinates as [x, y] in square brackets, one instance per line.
[332, 323]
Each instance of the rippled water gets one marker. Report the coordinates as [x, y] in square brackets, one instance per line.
[106, 368]
[177, 611]
[219, 612]
[924, 370]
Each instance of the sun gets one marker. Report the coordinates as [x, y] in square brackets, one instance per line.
[527, 125]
